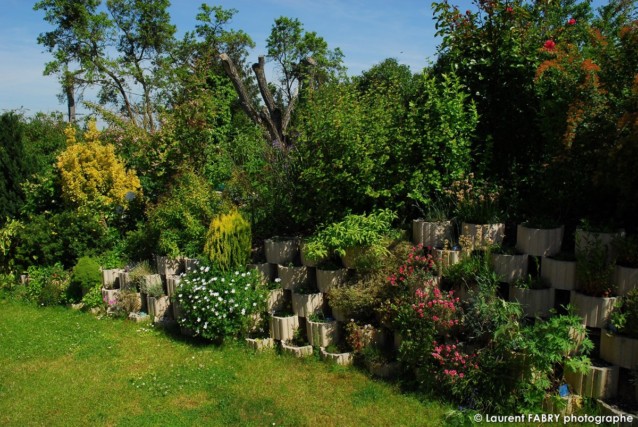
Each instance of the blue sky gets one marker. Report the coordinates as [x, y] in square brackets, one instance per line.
[367, 31]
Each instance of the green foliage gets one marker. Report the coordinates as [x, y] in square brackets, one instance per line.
[441, 123]
[13, 164]
[93, 297]
[180, 219]
[219, 305]
[61, 237]
[354, 231]
[548, 345]
[116, 48]
[86, 275]
[289, 45]
[626, 251]
[152, 286]
[47, 285]
[228, 242]
[624, 318]
[137, 274]
[594, 275]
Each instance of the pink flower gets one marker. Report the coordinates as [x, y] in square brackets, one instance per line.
[549, 45]
[571, 21]
[461, 375]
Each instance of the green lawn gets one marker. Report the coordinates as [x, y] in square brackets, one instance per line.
[60, 367]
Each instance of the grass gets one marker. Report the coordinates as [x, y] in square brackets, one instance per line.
[61, 367]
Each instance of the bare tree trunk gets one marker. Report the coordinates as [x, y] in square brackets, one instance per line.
[269, 117]
[69, 90]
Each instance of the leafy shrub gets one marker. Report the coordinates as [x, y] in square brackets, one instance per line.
[624, 318]
[62, 237]
[219, 305]
[594, 275]
[626, 250]
[86, 275]
[354, 231]
[47, 285]
[228, 242]
[92, 174]
[93, 297]
[182, 216]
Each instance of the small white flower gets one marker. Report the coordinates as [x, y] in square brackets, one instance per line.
[254, 304]
[277, 280]
[232, 291]
[207, 269]
[243, 311]
[243, 275]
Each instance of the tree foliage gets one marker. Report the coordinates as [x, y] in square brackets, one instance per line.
[121, 47]
[92, 175]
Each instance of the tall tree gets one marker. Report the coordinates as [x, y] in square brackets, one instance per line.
[120, 47]
[289, 47]
[302, 59]
[12, 162]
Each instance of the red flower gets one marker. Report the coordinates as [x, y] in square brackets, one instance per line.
[508, 9]
[549, 45]
[571, 21]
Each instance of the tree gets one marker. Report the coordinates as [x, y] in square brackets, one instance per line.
[12, 162]
[137, 32]
[301, 58]
[289, 47]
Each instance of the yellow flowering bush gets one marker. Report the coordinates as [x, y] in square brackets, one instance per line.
[92, 174]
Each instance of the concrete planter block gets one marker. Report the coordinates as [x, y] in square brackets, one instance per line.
[172, 283]
[303, 305]
[281, 251]
[267, 270]
[586, 239]
[157, 307]
[445, 258]
[535, 302]
[431, 233]
[276, 300]
[343, 359]
[539, 241]
[482, 235]
[509, 268]
[283, 328]
[167, 266]
[595, 311]
[327, 279]
[303, 351]
[619, 350]
[598, 383]
[626, 279]
[559, 274]
[322, 334]
[259, 344]
[291, 277]
[111, 278]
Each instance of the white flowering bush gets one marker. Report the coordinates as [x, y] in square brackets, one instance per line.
[218, 305]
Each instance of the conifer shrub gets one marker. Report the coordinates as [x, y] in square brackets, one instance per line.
[228, 241]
